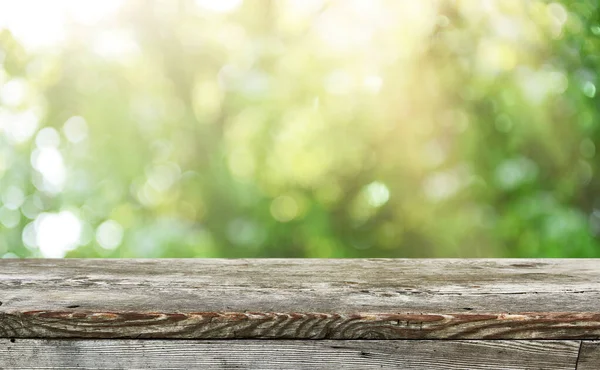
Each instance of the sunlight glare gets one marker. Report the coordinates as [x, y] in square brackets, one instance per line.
[57, 233]
[41, 24]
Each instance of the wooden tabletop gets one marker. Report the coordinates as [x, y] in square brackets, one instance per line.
[300, 314]
[301, 298]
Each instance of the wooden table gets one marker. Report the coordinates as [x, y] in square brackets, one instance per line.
[301, 313]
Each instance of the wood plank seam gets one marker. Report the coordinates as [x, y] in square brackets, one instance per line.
[578, 355]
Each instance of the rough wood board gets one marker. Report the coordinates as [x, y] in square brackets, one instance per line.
[589, 356]
[302, 299]
[255, 354]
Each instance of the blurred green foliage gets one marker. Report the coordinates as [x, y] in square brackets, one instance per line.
[180, 128]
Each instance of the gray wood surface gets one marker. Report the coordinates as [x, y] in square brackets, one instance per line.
[589, 356]
[301, 299]
[256, 354]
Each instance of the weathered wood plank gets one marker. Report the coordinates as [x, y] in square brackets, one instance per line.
[589, 356]
[312, 299]
[255, 354]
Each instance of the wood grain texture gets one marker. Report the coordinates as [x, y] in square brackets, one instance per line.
[301, 299]
[589, 356]
[254, 354]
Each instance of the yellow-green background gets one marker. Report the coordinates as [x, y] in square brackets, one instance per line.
[257, 128]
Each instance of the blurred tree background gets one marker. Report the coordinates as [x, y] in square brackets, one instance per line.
[300, 128]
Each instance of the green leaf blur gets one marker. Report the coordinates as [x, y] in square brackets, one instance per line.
[257, 128]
